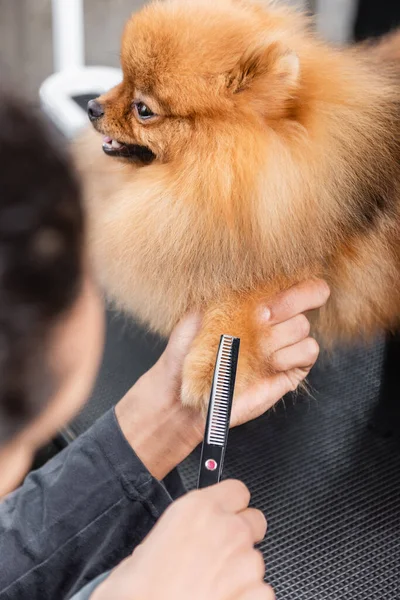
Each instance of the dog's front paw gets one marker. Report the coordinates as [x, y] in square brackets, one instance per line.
[197, 377]
[199, 367]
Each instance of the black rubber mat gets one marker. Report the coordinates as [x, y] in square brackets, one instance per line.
[328, 485]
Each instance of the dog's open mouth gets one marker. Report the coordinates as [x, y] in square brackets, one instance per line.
[133, 152]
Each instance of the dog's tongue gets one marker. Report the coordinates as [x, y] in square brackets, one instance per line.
[107, 139]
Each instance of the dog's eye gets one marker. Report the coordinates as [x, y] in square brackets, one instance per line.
[143, 111]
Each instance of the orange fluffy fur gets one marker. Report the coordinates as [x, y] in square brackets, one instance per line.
[276, 159]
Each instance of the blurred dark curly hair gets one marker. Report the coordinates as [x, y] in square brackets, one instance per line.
[41, 247]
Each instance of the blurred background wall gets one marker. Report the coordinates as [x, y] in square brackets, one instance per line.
[26, 37]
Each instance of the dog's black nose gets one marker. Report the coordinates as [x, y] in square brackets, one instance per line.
[95, 110]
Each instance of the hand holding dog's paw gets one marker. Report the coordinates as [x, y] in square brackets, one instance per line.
[199, 365]
[151, 415]
[276, 351]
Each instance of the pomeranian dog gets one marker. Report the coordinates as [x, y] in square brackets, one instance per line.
[242, 155]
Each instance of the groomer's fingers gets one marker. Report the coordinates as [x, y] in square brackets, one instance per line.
[246, 572]
[257, 399]
[300, 298]
[286, 334]
[180, 341]
[260, 397]
[302, 355]
[260, 592]
[231, 495]
[257, 523]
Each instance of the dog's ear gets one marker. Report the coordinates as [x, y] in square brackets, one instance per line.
[267, 71]
[263, 63]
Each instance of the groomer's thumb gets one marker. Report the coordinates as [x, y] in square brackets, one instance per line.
[181, 340]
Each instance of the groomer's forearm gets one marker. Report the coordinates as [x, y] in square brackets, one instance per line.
[77, 517]
[162, 433]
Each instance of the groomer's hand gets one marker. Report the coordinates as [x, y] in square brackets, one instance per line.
[163, 432]
[201, 549]
[293, 351]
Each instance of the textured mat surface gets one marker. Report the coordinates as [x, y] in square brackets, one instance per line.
[329, 487]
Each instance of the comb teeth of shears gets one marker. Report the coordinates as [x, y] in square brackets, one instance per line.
[220, 399]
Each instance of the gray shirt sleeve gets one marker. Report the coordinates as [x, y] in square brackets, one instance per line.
[77, 517]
